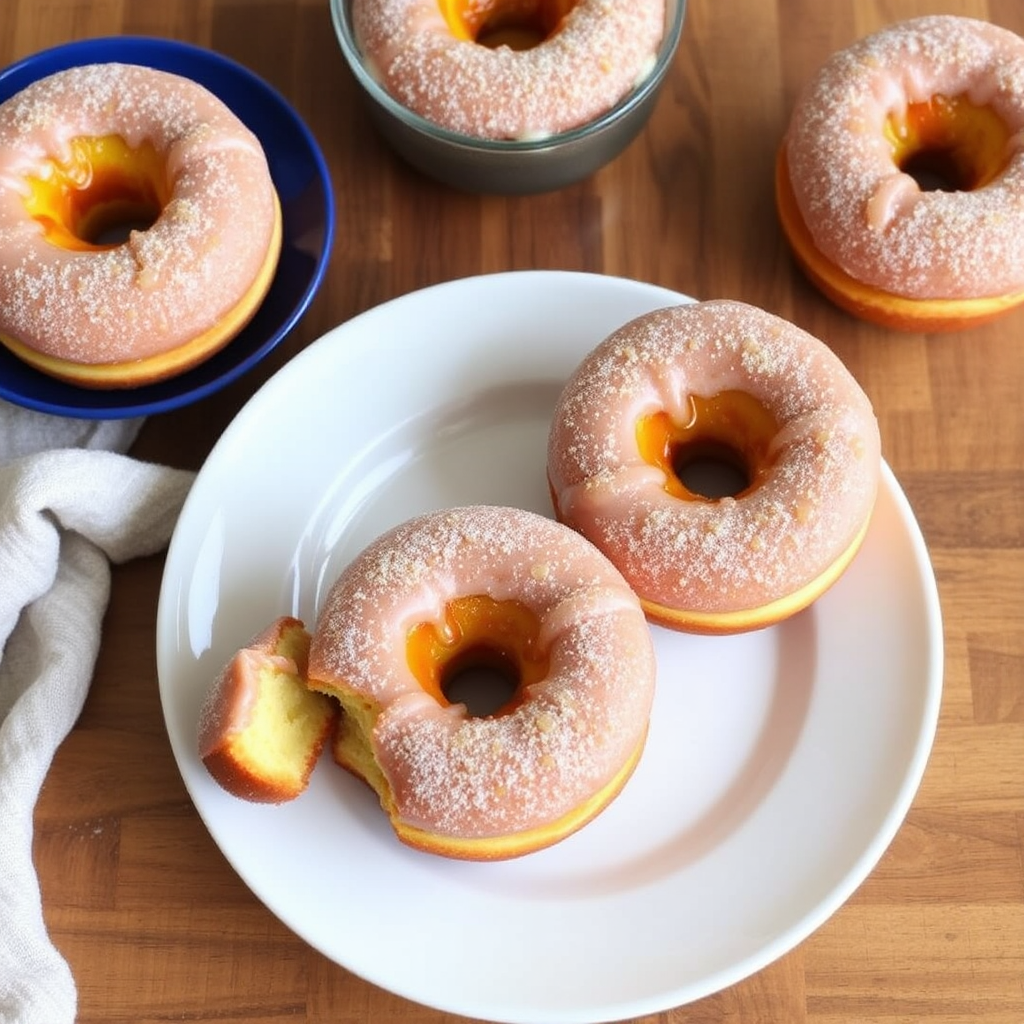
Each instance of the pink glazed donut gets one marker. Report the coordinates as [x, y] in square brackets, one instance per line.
[160, 163]
[547, 65]
[729, 382]
[900, 181]
[513, 592]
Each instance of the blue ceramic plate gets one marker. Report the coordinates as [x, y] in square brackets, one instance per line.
[300, 175]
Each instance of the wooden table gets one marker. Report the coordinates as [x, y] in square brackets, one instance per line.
[155, 923]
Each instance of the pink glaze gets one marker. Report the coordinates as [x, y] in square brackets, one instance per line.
[228, 706]
[230, 703]
[603, 49]
[870, 218]
[456, 775]
[732, 554]
[165, 285]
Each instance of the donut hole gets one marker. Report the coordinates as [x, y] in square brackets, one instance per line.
[721, 448]
[937, 171]
[111, 223]
[711, 469]
[102, 192]
[949, 144]
[483, 654]
[484, 679]
[517, 24]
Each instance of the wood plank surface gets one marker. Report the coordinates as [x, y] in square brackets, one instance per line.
[155, 923]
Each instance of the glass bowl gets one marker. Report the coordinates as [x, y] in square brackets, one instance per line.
[509, 166]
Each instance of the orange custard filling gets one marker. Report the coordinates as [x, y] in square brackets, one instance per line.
[731, 427]
[91, 201]
[478, 633]
[518, 24]
[948, 143]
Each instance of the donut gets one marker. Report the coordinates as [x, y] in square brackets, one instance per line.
[139, 226]
[724, 383]
[508, 69]
[900, 180]
[493, 589]
[261, 729]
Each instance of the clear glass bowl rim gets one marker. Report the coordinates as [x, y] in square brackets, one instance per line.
[675, 15]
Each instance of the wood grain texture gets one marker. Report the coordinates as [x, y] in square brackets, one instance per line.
[155, 923]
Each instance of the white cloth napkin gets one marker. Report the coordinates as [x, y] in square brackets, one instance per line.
[70, 503]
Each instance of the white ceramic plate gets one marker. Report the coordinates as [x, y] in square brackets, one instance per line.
[780, 764]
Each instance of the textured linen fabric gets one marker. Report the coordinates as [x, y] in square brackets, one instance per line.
[71, 503]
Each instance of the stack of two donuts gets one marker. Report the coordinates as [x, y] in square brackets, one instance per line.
[562, 608]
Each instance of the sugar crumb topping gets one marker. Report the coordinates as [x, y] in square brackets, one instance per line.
[600, 53]
[459, 775]
[165, 284]
[734, 553]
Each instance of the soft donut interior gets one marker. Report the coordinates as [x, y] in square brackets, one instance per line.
[104, 190]
[261, 728]
[722, 448]
[948, 144]
[518, 24]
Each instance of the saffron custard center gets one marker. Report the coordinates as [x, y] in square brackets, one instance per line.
[484, 654]
[725, 440]
[103, 191]
[948, 144]
[518, 24]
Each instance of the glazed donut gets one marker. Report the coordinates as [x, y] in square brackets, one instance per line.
[84, 154]
[508, 69]
[722, 382]
[900, 181]
[485, 588]
[261, 729]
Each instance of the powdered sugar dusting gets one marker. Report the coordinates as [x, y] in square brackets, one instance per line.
[942, 245]
[601, 52]
[166, 284]
[735, 553]
[457, 775]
